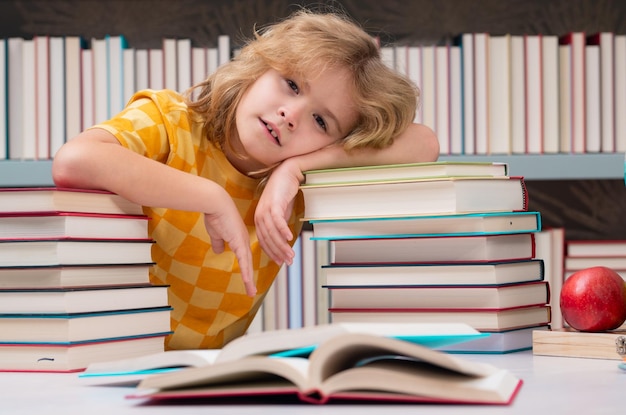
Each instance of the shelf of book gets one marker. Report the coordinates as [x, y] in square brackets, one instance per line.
[29, 173]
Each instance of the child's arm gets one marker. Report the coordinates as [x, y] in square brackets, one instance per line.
[417, 144]
[96, 160]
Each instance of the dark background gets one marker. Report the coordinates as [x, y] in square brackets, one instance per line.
[589, 209]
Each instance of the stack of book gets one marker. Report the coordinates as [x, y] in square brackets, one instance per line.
[74, 281]
[582, 254]
[432, 242]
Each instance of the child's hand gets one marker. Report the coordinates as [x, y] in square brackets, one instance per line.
[226, 226]
[273, 211]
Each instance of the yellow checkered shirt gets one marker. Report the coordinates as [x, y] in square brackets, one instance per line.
[210, 306]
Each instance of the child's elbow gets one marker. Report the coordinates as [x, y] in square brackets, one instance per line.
[66, 166]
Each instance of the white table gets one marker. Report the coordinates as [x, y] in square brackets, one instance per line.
[552, 385]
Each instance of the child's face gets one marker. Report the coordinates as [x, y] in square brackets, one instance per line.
[280, 117]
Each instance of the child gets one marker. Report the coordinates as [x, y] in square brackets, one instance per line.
[308, 92]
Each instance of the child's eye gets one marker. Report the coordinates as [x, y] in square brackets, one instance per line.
[320, 121]
[293, 86]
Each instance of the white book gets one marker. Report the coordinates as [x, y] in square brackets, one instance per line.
[620, 92]
[142, 69]
[73, 87]
[156, 74]
[183, 59]
[57, 94]
[481, 96]
[87, 88]
[576, 40]
[499, 95]
[388, 55]
[414, 63]
[223, 49]
[565, 98]
[29, 102]
[606, 42]
[130, 70]
[593, 111]
[294, 287]
[198, 67]
[42, 97]
[401, 60]
[170, 66]
[550, 92]
[442, 98]
[456, 101]
[212, 60]
[15, 47]
[534, 87]
[518, 95]
[100, 80]
[115, 74]
[281, 300]
[467, 58]
[322, 257]
[428, 87]
[310, 282]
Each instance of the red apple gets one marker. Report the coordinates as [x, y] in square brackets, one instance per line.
[594, 299]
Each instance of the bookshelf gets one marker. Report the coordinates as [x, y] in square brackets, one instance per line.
[30, 173]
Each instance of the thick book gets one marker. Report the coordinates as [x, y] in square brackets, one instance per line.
[349, 367]
[448, 297]
[42, 252]
[568, 342]
[499, 342]
[74, 276]
[448, 195]
[278, 343]
[439, 249]
[59, 225]
[82, 300]
[433, 274]
[79, 327]
[75, 356]
[573, 263]
[468, 224]
[480, 319]
[47, 199]
[405, 171]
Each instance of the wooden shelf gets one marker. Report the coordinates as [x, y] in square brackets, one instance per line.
[558, 166]
[32, 173]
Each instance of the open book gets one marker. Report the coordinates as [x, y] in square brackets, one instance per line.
[283, 343]
[351, 366]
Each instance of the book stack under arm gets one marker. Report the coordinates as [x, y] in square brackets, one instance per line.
[432, 242]
[74, 281]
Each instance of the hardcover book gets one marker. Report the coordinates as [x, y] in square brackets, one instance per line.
[349, 367]
[428, 225]
[405, 171]
[446, 195]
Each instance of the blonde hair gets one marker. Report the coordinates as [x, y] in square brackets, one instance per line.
[302, 44]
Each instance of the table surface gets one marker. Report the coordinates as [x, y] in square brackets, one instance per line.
[552, 385]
